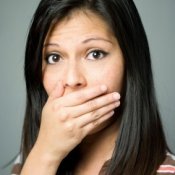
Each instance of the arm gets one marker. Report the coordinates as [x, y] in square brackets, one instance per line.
[38, 162]
[66, 121]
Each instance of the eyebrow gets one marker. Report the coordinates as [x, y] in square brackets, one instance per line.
[96, 39]
[84, 42]
[51, 44]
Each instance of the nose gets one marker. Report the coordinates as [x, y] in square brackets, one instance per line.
[74, 76]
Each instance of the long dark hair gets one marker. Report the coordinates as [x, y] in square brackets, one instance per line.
[140, 146]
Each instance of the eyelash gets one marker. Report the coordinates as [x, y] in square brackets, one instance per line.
[100, 55]
[51, 56]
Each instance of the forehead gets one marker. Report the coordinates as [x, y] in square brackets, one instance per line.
[80, 23]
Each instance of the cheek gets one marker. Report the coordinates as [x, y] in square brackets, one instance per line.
[116, 82]
[112, 76]
[115, 74]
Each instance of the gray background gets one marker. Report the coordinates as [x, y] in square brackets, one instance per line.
[158, 17]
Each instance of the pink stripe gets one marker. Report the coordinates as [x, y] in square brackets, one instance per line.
[166, 169]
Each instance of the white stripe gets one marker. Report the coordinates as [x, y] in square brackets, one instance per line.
[171, 155]
[18, 159]
[165, 171]
[167, 166]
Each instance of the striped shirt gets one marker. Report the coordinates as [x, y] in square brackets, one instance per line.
[167, 168]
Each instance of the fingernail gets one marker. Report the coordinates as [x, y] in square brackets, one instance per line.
[111, 113]
[104, 88]
[117, 104]
[116, 96]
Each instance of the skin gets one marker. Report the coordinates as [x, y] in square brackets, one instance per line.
[83, 71]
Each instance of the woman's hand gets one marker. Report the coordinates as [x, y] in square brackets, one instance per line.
[67, 120]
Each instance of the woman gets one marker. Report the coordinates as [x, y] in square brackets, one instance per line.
[91, 105]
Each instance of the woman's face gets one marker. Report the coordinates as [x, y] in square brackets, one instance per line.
[81, 51]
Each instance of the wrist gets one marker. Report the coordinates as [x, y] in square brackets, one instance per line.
[46, 157]
[41, 162]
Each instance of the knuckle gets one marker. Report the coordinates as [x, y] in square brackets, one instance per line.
[70, 126]
[72, 131]
[92, 105]
[63, 115]
[95, 123]
[95, 114]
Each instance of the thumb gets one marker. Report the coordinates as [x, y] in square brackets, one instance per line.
[57, 91]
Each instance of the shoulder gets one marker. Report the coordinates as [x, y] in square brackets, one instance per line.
[16, 169]
[168, 166]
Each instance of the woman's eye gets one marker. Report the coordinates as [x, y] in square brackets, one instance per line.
[97, 54]
[52, 58]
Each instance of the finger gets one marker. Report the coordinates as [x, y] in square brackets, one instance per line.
[96, 115]
[81, 96]
[57, 91]
[88, 128]
[96, 103]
